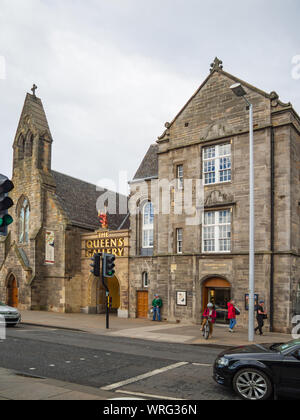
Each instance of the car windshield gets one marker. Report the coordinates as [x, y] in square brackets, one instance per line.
[2, 304]
[286, 346]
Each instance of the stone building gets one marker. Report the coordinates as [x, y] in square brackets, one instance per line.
[41, 258]
[188, 264]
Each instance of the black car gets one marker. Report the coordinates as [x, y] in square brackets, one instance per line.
[260, 371]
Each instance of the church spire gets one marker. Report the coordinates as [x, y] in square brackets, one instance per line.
[33, 138]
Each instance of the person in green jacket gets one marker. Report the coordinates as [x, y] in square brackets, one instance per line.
[156, 306]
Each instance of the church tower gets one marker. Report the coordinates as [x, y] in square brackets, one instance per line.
[23, 266]
[32, 175]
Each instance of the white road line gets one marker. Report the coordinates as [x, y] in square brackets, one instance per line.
[140, 394]
[144, 376]
[202, 364]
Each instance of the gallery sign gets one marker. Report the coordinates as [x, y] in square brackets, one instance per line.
[106, 242]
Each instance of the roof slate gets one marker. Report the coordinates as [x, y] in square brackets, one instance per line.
[78, 199]
[149, 166]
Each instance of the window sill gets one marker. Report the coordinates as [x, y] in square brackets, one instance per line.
[217, 183]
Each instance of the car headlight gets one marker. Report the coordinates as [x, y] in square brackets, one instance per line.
[222, 361]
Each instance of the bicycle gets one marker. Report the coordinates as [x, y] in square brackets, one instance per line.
[206, 329]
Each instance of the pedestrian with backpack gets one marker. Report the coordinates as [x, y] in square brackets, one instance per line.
[261, 315]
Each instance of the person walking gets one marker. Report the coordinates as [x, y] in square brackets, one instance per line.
[261, 315]
[210, 316]
[231, 315]
[156, 306]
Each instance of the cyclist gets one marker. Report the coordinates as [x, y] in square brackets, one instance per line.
[210, 316]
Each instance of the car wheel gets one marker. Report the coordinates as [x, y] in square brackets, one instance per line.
[252, 384]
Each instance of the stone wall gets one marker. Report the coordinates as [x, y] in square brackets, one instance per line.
[215, 116]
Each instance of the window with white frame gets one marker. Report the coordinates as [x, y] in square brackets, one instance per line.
[180, 179]
[216, 234]
[217, 164]
[179, 238]
[148, 225]
[145, 279]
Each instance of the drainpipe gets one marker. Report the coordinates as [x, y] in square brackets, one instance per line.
[272, 231]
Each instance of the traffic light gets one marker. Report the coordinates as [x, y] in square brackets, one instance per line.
[108, 265]
[96, 265]
[5, 203]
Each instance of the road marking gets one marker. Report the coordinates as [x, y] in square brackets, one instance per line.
[35, 330]
[82, 359]
[202, 364]
[140, 394]
[144, 376]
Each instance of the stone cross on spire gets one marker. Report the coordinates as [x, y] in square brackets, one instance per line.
[216, 65]
[34, 88]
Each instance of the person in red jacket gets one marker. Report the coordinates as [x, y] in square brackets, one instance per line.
[231, 315]
[210, 316]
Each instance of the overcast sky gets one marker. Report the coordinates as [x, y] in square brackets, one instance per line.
[110, 73]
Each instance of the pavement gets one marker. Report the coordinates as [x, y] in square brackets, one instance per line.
[147, 330]
[16, 386]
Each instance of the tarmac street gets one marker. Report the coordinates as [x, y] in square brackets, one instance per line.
[73, 356]
[61, 364]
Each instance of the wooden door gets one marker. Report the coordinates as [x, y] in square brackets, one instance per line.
[142, 305]
[13, 294]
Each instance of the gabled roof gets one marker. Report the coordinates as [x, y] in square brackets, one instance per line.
[149, 166]
[78, 199]
[217, 66]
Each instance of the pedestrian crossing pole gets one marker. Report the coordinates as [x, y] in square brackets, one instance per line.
[107, 300]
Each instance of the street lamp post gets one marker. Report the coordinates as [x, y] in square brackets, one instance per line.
[239, 91]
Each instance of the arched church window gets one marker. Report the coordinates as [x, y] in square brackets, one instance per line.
[29, 145]
[24, 216]
[21, 147]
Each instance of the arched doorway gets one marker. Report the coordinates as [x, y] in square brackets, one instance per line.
[218, 291]
[12, 292]
[96, 295]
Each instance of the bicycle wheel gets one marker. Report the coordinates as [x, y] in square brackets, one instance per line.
[206, 331]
